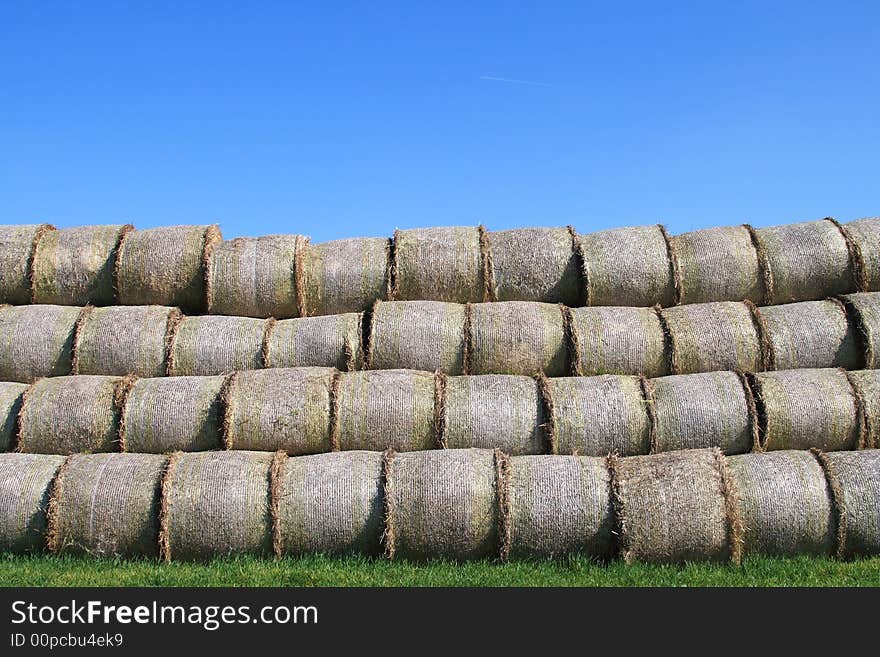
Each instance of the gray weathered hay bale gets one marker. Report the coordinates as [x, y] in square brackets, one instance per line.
[327, 341]
[807, 408]
[36, 341]
[173, 413]
[809, 260]
[536, 264]
[866, 235]
[70, 414]
[628, 267]
[708, 337]
[438, 264]
[718, 264]
[287, 409]
[16, 252]
[107, 505]
[25, 480]
[441, 504]
[213, 344]
[216, 503]
[123, 340]
[703, 410]
[74, 266]
[518, 337]
[385, 409]
[600, 415]
[858, 499]
[419, 335]
[811, 334]
[866, 386]
[494, 411]
[672, 507]
[254, 276]
[332, 503]
[559, 506]
[864, 311]
[165, 266]
[345, 276]
[10, 406]
[619, 340]
[785, 504]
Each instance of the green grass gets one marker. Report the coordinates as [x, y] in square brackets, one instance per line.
[325, 571]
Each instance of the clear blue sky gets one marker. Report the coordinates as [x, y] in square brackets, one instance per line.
[347, 119]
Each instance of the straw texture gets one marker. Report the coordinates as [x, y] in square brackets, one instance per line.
[518, 337]
[332, 503]
[24, 498]
[811, 334]
[107, 505]
[214, 344]
[165, 266]
[16, 248]
[175, 413]
[619, 341]
[866, 385]
[864, 311]
[785, 504]
[36, 341]
[74, 266]
[329, 341]
[439, 264]
[10, 407]
[69, 414]
[385, 409]
[858, 476]
[419, 335]
[345, 275]
[286, 409]
[866, 234]
[217, 503]
[536, 264]
[254, 276]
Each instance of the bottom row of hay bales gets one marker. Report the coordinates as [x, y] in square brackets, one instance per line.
[459, 504]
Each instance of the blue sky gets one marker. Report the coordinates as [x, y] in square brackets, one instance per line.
[347, 119]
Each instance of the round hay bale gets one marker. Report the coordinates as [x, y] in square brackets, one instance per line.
[600, 415]
[385, 409]
[328, 341]
[785, 504]
[165, 266]
[107, 505]
[494, 411]
[858, 479]
[215, 504]
[438, 264]
[866, 385]
[709, 337]
[518, 337]
[74, 266]
[173, 413]
[214, 344]
[254, 276]
[25, 480]
[36, 341]
[866, 235]
[695, 411]
[287, 409]
[628, 267]
[864, 313]
[10, 406]
[345, 276]
[70, 414]
[619, 340]
[536, 264]
[441, 504]
[560, 506]
[419, 335]
[16, 251]
[811, 334]
[672, 507]
[718, 264]
[122, 340]
[332, 504]
[809, 260]
[807, 408]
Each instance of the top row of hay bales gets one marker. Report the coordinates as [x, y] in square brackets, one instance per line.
[285, 276]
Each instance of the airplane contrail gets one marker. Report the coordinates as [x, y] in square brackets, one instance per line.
[514, 81]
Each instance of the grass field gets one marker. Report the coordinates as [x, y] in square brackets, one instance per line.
[324, 571]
